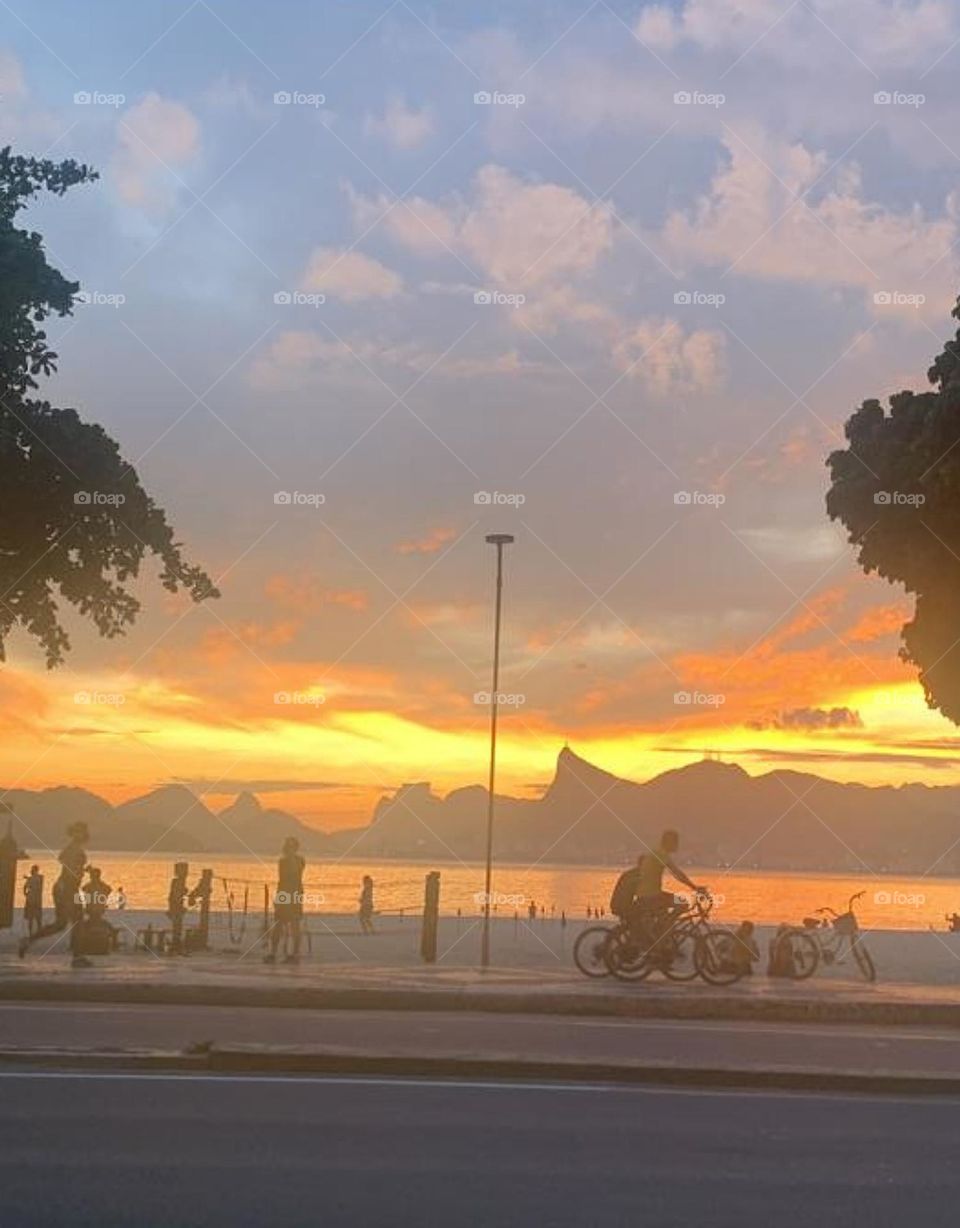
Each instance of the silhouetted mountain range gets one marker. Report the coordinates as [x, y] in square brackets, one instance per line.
[779, 820]
[782, 819]
[170, 819]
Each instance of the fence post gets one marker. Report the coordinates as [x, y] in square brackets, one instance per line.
[431, 912]
[266, 909]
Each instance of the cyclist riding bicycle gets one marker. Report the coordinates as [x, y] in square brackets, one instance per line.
[650, 914]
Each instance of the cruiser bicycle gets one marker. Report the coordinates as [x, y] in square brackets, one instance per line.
[827, 937]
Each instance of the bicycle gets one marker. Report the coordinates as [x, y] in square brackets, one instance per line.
[830, 935]
[589, 951]
[689, 947]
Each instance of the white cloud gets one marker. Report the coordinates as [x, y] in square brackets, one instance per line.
[349, 275]
[669, 361]
[549, 242]
[514, 233]
[156, 140]
[297, 355]
[11, 77]
[882, 33]
[415, 223]
[748, 220]
[404, 127]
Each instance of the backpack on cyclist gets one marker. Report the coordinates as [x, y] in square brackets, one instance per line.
[624, 891]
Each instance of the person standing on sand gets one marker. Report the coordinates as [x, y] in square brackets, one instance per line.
[287, 903]
[366, 905]
[33, 901]
[67, 896]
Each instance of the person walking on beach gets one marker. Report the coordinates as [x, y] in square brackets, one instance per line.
[67, 896]
[366, 905]
[33, 901]
[287, 904]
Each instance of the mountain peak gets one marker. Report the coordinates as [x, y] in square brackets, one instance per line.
[245, 805]
[573, 771]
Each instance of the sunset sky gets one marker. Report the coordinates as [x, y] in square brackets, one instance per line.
[702, 241]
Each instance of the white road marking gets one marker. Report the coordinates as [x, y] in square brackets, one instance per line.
[401, 1082]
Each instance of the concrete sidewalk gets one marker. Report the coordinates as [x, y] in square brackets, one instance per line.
[222, 980]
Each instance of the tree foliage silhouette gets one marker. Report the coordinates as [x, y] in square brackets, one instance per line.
[896, 488]
[56, 545]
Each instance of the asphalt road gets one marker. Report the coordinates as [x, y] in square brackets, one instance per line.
[455, 1033]
[189, 1150]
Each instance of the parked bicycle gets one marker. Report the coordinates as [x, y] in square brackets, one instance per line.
[827, 937]
[687, 947]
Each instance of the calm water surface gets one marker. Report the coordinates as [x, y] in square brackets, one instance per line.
[890, 902]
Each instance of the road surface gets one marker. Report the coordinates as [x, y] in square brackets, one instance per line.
[455, 1033]
[212, 1150]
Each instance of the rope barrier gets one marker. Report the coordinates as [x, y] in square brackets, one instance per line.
[236, 938]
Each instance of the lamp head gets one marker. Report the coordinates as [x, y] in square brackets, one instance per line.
[499, 539]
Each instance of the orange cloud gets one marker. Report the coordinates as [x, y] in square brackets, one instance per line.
[435, 540]
[877, 622]
[305, 593]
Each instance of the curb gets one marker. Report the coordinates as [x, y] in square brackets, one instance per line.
[645, 1003]
[227, 1060]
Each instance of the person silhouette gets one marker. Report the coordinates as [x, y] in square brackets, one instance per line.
[287, 903]
[67, 896]
[96, 894]
[366, 905]
[33, 901]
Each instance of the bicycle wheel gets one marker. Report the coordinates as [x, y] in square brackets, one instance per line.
[683, 965]
[804, 954]
[714, 956]
[626, 960]
[589, 951]
[864, 960]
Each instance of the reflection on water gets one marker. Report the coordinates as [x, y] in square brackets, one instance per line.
[890, 902]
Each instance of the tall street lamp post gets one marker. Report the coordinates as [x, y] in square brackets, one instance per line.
[499, 540]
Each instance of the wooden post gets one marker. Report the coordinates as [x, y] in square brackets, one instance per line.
[431, 913]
